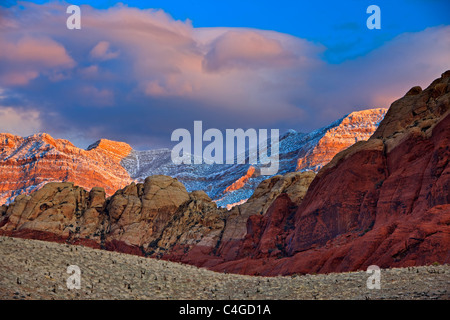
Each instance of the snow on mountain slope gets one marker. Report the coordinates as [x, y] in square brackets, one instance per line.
[230, 184]
[26, 164]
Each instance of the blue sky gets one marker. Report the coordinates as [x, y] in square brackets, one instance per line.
[134, 74]
[338, 25]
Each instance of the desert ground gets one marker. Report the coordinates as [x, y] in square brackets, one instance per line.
[31, 269]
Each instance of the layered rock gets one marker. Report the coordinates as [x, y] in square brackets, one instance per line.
[239, 183]
[57, 212]
[239, 232]
[231, 184]
[156, 218]
[384, 202]
[357, 126]
[26, 164]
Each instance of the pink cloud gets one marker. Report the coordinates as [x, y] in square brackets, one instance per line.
[243, 77]
[42, 51]
[90, 71]
[387, 73]
[19, 121]
[18, 78]
[103, 52]
[245, 49]
[27, 57]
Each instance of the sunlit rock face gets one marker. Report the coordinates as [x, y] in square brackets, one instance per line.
[26, 164]
[231, 184]
[384, 202]
[357, 126]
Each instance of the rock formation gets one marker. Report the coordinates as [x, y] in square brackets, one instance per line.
[298, 152]
[156, 218]
[145, 218]
[357, 126]
[29, 163]
[384, 201]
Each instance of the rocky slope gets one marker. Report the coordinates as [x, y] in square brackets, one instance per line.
[26, 164]
[357, 126]
[384, 201]
[232, 184]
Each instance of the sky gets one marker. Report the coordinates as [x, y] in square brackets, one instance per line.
[137, 70]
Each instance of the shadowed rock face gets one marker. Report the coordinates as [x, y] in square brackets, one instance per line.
[146, 218]
[155, 218]
[384, 201]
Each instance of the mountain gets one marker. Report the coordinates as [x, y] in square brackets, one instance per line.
[384, 201]
[230, 184]
[28, 163]
[307, 152]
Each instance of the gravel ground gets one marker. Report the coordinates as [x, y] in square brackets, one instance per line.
[31, 269]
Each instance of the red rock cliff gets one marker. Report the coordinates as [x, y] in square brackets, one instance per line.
[385, 201]
[28, 163]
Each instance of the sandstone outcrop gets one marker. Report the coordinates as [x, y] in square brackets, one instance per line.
[147, 218]
[156, 218]
[26, 164]
[357, 126]
[294, 185]
[139, 212]
[384, 201]
[29, 163]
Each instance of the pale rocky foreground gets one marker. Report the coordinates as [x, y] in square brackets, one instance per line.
[31, 269]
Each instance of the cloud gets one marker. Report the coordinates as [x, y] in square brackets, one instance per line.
[18, 77]
[155, 74]
[19, 121]
[245, 49]
[25, 58]
[89, 71]
[94, 97]
[385, 74]
[103, 52]
[44, 52]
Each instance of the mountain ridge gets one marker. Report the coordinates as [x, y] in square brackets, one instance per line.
[112, 164]
[384, 202]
